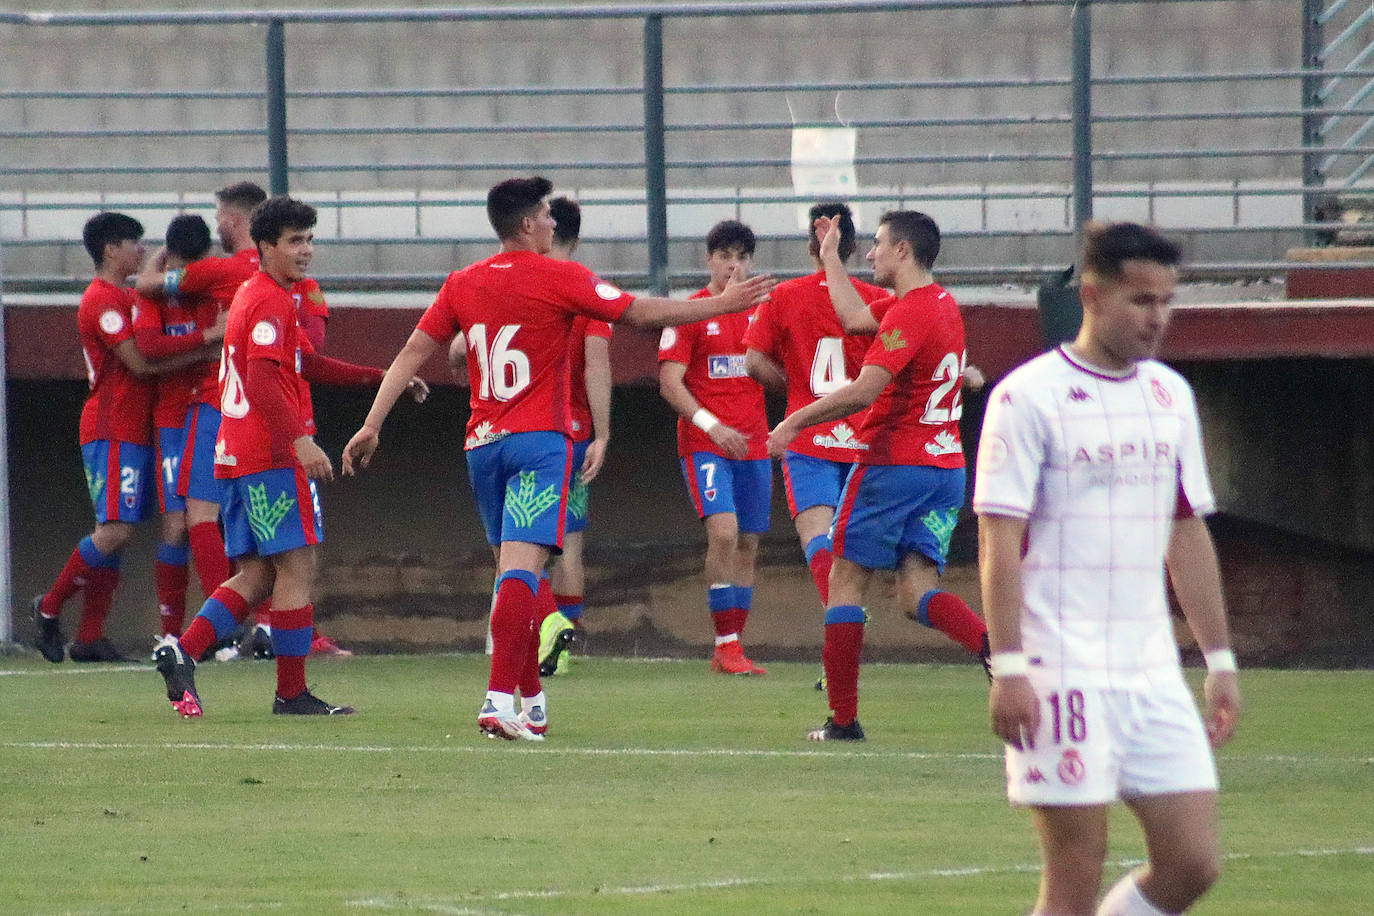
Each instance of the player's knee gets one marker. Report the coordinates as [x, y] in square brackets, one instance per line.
[112, 537]
[1194, 874]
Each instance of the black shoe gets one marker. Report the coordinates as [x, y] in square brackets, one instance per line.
[985, 656]
[256, 643]
[97, 650]
[307, 704]
[832, 732]
[49, 640]
[218, 645]
[179, 671]
[549, 663]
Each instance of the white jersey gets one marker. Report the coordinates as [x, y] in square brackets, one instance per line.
[1099, 465]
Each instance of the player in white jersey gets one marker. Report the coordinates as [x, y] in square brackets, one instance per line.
[1091, 484]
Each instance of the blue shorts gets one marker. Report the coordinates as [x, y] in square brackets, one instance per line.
[579, 494]
[811, 482]
[716, 485]
[170, 441]
[890, 510]
[197, 479]
[520, 483]
[270, 512]
[131, 465]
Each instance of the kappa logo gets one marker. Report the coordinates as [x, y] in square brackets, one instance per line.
[1078, 394]
[1033, 775]
[1162, 395]
[1005, 398]
[893, 340]
[1071, 768]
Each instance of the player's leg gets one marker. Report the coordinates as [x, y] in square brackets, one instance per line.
[753, 485]
[1073, 846]
[514, 641]
[566, 576]
[813, 488]
[169, 570]
[197, 485]
[1185, 860]
[841, 650]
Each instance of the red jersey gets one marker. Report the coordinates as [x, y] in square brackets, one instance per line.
[262, 325]
[798, 329]
[169, 318]
[516, 311]
[213, 282]
[120, 405]
[915, 419]
[578, 403]
[713, 352]
[309, 300]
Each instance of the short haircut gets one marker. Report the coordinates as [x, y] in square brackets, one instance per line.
[730, 235]
[512, 200]
[107, 227]
[828, 209]
[188, 237]
[276, 215]
[1108, 246]
[567, 217]
[245, 195]
[917, 230]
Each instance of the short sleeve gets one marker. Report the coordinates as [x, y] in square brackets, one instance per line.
[1195, 487]
[147, 316]
[899, 337]
[440, 320]
[1011, 452]
[763, 334]
[600, 329]
[592, 296]
[312, 299]
[676, 344]
[268, 330]
[116, 323]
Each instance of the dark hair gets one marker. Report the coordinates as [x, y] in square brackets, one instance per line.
[730, 234]
[567, 217]
[275, 215]
[512, 200]
[188, 237]
[1107, 246]
[832, 208]
[917, 230]
[106, 227]
[245, 195]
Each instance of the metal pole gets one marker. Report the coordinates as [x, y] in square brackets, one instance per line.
[6, 556]
[276, 106]
[1312, 177]
[655, 170]
[1081, 74]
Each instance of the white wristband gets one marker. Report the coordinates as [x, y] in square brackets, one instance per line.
[1220, 661]
[1009, 664]
[704, 420]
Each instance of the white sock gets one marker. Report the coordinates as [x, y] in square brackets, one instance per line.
[528, 703]
[722, 640]
[504, 703]
[1125, 899]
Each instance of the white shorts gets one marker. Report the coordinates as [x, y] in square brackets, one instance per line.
[1097, 745]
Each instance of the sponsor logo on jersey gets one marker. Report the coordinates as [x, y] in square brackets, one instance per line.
[726, 365]
[893, 340]
[1078, 394]
[264, 333]
[266, 518]
[483, 434]
[524, 505]
[1033, 775]
[111, 322]
[713, 329]
[1124, 452]
[841, 435]
[1071, 768]
[1162, 395]
[223, 457]
[181, 329]
[944, 442]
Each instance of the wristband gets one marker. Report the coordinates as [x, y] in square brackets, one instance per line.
[1009, 664]
[704, 420]
[1219, 661]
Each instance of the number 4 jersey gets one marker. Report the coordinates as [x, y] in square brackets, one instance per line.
[516, 310]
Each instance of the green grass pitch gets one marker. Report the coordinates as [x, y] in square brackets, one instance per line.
[663, 789]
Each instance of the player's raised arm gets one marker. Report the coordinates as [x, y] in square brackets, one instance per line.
[398, 379]
[1012, 705]
[849, 305]
[658, 312]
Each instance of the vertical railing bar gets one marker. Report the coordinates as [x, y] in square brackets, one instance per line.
[277, 166]
[655, 169]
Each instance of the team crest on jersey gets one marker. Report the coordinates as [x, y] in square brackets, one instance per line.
[608, 292]
[525, 505]
[264, 333]
[1162, 395]
[944, 443]
[263, 518]
[726, 365]
[1072, 771]
[893, 340]
[111, 322]
[483, 434]
[667, 338]
[841, 435]
[992, 454]
[316, 296]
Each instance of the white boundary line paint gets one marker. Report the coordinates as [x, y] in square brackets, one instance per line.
[457, 906]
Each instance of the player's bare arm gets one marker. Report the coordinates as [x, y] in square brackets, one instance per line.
[458, 359]
[313, 459]
[398, 378]
[842, 402]
[597, 376]
[764, 370]
[849, 305]
[658, 312]
[132, 357]
[1196, 577]
[674, 390]
[1013, 708]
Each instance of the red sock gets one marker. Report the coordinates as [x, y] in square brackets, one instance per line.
[70, 580]
[529, 672]
[512, 628]
[950, 615]
[544, 605]
[291, 631]
[262, 615]
[844, 643]
[207, 547]
[171, 581]
[200, 635]
[98, 595]
[820, 564]
[735, 619]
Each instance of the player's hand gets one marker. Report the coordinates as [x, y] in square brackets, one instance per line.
[215, 334]
[974, 379]
[742, 292]
[417, 389]
[1015, 711]
[828, 235]
[596, 456]
[781, 437]
[731, 441]
[158, 259]
[313, 459]
[358, 452]
[1221, 694]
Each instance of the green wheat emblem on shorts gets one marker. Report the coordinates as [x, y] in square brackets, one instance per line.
[265, 519]
[525, 505]
[94, 484]
[941, 524]
[577, 500]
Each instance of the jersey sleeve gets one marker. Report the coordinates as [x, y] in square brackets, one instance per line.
[206, 277]
[1011, 452]
[592, 296]
[676, 344]
[900, 333]
[267, 331]
[312, 299]
[440, 320]
[115, 321]
[1195, 488]
[764, 334]
[600, 329]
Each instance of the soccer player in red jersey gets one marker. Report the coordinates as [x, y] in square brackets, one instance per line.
[163, 327]
[116, 438]
[796, 343]
[515, 311]
[721, 429]
[268, 465]
[902, 498]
